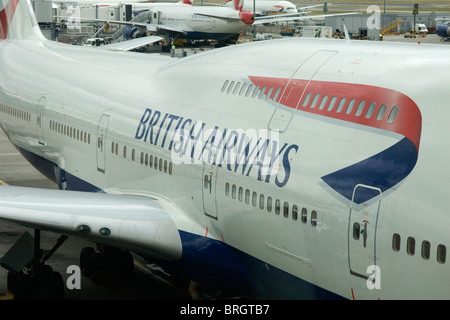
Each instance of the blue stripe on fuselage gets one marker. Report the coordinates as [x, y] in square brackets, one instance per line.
[383, 170]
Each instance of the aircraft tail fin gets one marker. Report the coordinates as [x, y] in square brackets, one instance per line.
[238, 4]
[17, 21]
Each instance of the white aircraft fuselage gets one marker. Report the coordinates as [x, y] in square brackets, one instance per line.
[264, 7]
[203, 22]
[336, 186]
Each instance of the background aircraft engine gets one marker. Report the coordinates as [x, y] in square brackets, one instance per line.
[134, 32]
[247, 17]
[443, 30]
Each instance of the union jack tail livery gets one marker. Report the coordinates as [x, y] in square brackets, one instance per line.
[17, 20]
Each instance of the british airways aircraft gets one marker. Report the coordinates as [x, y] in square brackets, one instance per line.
[300, 168]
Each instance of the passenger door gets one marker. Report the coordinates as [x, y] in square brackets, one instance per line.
[209, 182]
[101, 142]
[362, 230]
[40, 119]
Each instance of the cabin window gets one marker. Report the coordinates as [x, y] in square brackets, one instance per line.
[370, 110]
[392, 114]
[381, 112]
[227, 189]
[247, 196]
[261, 201]
[225, 85]
[441, 253]
[332, 103]
[341, 105]
[277, 206]
[233, 190]
[294, 212]
[305, 102]
[261, 94]
[236, 89]
[277, 93]
[255, 92]
[249, 90]
[426, 250]
[356, 230]
[314, 218]
[244, 86]
[286, 209]
[304, 215]
[360, 108]
[411, 246]
[350, 106]
[230, 87]
[269, 204]
[254, 198]
[323, 102]
[269, 93]
[205, 181]
[396, 242]
[240, 194]
[315, 99]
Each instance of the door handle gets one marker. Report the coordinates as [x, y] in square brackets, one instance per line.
[365, 235]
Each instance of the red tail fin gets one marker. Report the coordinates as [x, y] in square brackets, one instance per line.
[17, 20]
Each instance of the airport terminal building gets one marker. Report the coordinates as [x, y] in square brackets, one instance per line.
[391, 22]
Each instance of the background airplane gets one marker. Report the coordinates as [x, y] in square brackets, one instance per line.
[188, 22]
[263, 7]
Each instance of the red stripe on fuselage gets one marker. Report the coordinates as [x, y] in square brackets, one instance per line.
[6, 15]
[408, 120]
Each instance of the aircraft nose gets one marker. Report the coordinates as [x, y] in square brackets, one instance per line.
[247, 17]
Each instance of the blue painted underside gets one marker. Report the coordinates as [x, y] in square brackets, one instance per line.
[210, 261]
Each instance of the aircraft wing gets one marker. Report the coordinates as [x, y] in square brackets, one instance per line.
[130, 44]
[136, 223]
[270, 19]
[150, 27]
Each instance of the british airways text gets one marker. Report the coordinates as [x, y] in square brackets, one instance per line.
[258, 153]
